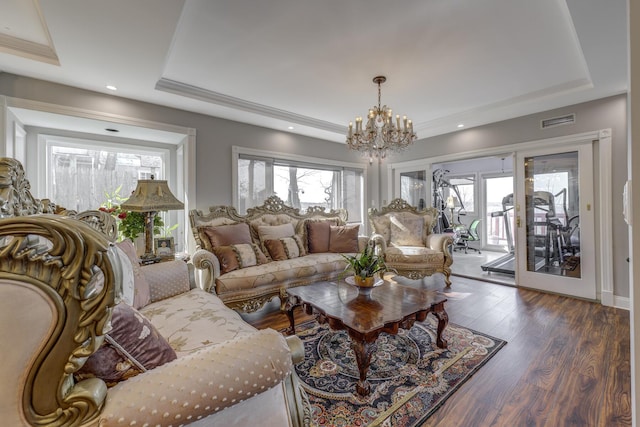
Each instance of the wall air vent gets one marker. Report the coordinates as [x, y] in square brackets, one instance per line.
[569, 119]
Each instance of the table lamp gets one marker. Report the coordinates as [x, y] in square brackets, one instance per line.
[149, 197]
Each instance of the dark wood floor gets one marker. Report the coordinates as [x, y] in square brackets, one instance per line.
[567, 361]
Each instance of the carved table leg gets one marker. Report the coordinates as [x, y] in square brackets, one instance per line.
[363, 351]
[292, 302]
[443, 320]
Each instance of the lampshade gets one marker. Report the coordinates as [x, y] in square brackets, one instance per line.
[152, 195]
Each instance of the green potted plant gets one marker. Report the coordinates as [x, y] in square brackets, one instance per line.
[364, 266]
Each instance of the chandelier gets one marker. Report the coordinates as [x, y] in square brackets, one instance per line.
[381, 134]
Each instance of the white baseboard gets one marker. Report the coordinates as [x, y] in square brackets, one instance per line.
[611, 300]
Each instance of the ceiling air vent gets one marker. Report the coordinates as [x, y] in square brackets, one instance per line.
[557, 121]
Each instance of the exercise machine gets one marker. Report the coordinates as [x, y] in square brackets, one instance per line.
[505, 264]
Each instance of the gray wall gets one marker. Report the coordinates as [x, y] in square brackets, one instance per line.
[215, 137]
[604, 113]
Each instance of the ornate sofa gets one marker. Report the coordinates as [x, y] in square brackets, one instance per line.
[405, 236]
[61, 282]
[321, 239]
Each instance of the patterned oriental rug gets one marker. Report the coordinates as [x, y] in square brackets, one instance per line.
[410, 376]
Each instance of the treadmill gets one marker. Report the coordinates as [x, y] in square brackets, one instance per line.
[506, 264]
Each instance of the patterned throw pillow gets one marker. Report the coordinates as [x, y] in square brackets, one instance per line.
[234, 257]
[344, 238]
[133, 346]
[406, 231]
[285, 248]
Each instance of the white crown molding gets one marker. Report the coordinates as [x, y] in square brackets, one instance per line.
[95, 115]
[28, 49]
[194, 92]
[468, 116]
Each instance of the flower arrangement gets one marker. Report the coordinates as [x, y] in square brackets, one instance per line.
[130, 224]
[365, 264]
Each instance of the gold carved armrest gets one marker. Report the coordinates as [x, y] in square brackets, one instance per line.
[72, 272]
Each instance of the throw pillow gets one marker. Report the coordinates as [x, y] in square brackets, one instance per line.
[318, 235]
[406, 231]
[234, 257]
[225, 235]
[131, 347]
[285, 248]
[141, 291]
[273, 232]
[344, 238]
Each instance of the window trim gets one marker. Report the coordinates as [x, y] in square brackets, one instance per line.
[237, 151]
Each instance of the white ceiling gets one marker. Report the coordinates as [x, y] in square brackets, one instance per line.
[310, 64]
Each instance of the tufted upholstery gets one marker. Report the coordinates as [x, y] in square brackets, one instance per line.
[404, 235]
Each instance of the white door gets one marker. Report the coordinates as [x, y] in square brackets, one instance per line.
[555, 221]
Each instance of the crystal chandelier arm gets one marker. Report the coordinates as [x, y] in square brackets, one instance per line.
[380, 134]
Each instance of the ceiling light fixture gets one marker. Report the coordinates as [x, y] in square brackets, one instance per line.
[111, 87]
[461, 125]
[380, 134]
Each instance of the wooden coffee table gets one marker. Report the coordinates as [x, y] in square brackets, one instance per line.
[387, 308]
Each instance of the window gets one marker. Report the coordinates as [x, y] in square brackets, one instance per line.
[83, 175]
[299, 183]
[464, 199]
[413, 188]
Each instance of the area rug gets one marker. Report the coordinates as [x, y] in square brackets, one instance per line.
[410, 376]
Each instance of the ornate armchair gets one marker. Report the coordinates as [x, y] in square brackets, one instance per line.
[404, 235]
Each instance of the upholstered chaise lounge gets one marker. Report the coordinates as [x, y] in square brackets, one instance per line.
[61, 318]
[404, 234]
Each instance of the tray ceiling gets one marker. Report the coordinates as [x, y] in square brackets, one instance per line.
[309, 65]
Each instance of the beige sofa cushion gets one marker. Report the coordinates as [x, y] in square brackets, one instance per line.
[194, 320]
[413, 254]
[281, 273]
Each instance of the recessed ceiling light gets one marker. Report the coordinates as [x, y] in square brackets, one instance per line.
[461, 125]
[111, 87]
[291, 128]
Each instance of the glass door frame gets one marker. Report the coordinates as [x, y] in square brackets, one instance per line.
[586, 285]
